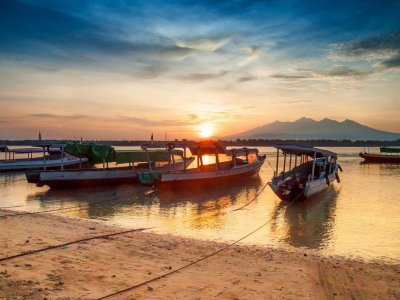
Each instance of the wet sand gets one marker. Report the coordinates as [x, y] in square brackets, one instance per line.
[96, 268]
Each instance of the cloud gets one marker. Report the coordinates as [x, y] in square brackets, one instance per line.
[205, 44]
[382, 46]
[55, 116]
[344, 71]
[156, 123]
[289, 77]
[247, 78]
[339, 71]
[393, 62]
[295, 101]
[202, 76]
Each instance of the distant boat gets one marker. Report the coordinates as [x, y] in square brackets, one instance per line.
[386, 155]
[304, 178]
[42, 156]
[235, 164]
[136, 163]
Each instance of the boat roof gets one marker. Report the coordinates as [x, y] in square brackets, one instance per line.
[25, 150]
[390, 150]
[299, 150]
[49, 144]
[206, 147]
[241, 151]
[97, 153]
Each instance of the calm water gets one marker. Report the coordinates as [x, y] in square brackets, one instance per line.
[360, 217]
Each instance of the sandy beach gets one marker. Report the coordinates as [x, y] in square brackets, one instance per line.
[99, 267]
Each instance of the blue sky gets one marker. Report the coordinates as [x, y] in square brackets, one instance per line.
[124, 69]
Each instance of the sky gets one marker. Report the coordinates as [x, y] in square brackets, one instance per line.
[126, 69]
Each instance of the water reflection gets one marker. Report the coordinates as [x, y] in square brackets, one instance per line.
[358, 217]
[96, 202]
[103, 202]
[204, 206]
[307, 223]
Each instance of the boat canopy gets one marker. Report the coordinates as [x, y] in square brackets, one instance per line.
[207, 148]
[99, 153]
[95, 153]
[241, 151]
[299, 150]
[127, 156]
[25, 150]
[390, 150]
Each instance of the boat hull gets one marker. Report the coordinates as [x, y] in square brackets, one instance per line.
[81, 178]
[92, 177]
[312, 188]
[380, 158]
[192, 177]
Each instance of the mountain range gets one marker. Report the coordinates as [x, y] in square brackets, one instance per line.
[306, 129]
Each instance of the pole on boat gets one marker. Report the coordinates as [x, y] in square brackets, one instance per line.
[148, 160]
[216, 158]
[290, 162]
[184, 158]
[284, 166]
[44, 159]
[62, 158]
[277, 162]
[295, 160]
[313, 166]
[234, 157]
[173, 159]
[104, 163]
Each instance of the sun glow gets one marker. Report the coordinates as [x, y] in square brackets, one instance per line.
[206, 130]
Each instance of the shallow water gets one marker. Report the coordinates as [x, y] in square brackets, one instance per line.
[359, 217]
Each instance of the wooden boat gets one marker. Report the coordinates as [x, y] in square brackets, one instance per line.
[307, 178]
[239, 163]
[42, 156]
[386, 155]
[137, 162]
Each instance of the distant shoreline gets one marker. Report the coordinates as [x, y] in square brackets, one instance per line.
[238, 142]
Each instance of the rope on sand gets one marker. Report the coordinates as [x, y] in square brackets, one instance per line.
[5, 207]
[194, 262]
[70, 243]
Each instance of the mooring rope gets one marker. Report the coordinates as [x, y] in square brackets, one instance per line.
[266, 158]
[196, 261]
[70, 243]
[252, 200]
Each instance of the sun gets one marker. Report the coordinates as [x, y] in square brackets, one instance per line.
[206, 130]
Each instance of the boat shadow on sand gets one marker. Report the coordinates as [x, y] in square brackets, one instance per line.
[307, 223]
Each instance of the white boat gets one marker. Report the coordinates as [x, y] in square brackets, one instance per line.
[137, 163]
[240, 163]
[44, 156]
[309, 177]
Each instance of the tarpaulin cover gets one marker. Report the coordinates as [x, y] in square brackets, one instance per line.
[390, 150]
[95, 153]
